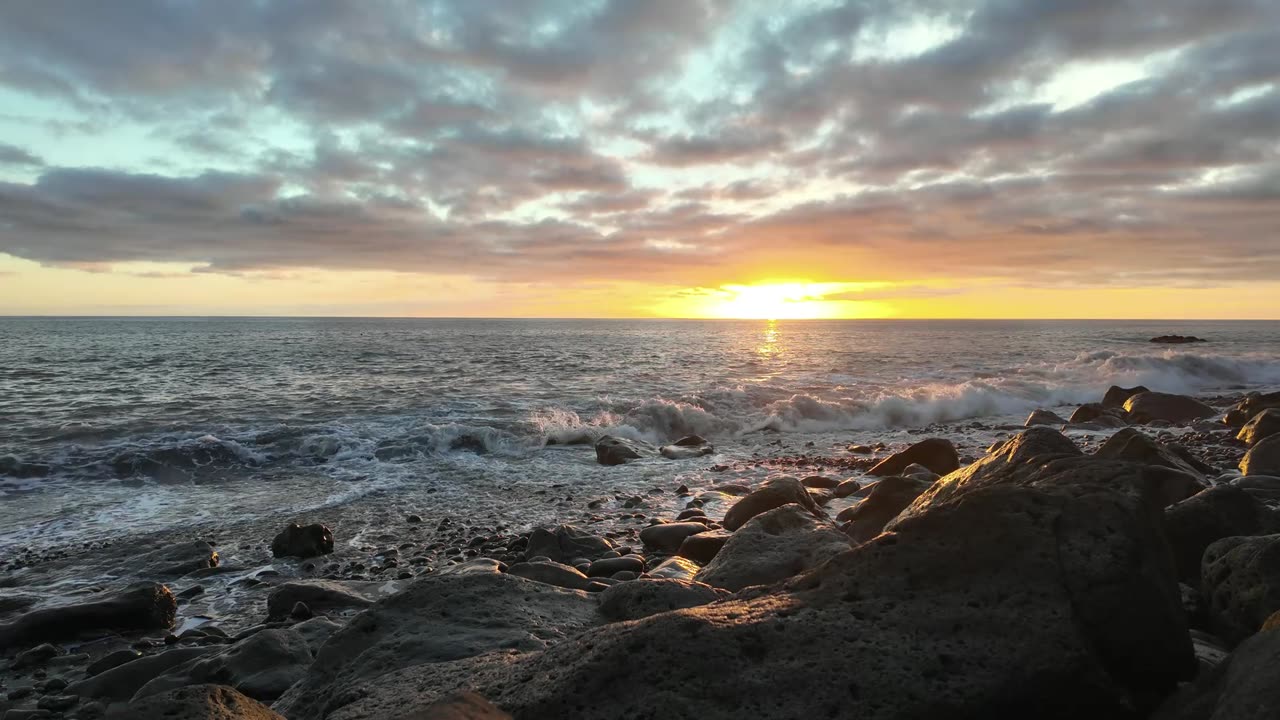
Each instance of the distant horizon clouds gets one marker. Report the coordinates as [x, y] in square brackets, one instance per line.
[1064, 158]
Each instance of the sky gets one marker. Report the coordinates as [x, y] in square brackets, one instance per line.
[638, 158]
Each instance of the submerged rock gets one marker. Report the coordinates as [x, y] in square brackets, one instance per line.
[177, 560]
[650, 596]
[936, 454]
[1263, 458]
[773, 493]
[303, 541]
[680, 452]
[145, 606]
[1149, 407]
[1177, 339]
[612, 450]
[197, 702]
[773, 546]
[1262, 426]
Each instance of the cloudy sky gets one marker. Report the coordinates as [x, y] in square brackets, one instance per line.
[1044, 158]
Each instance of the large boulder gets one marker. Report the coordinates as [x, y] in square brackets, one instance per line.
[1034, 587]
[773, 546]
[937, 454]
[649, 596]
[1132, 445]
[773, 493]
[303, 541]
[612, 450]
[1263, 458]
[1244, 687]
[261, 666]
[1116, 396]
[1199, 521]
[1262, 426]
[884, 501]
[437, 619]
[196, 702]
[145, 606]
[1240, 579]
[1177, 409]
[176, 560]
[566, 544]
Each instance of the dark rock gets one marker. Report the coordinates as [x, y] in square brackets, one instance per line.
[1263, 487]
[1262, 426]
[773, 546]
[57, 703]
[322, 596]
[612, 450]
[177, 560]
[300, 611]
[121, 682]
[650, 596]
[691, 441]
[261, 666]
[1116, 396]
[565, 543]
[1177, 409]
[1134, 446]
[413, 519]
[1197, 522]
[608, 567]
[36, 656]
[936, 454]
[668, 536]
[887, 498]
[1240, 579]
[145, 606]
[303, 541]
[822, 482]
[772, 493]
[847, 488]
[1044, 417]
[436, 619]
[1177, 339]
[551, 573]
[196, 702]
[1250, 406]
[1263, 458]
[1092, 412]
[702, 547]
[111, 660]
[1245, 686]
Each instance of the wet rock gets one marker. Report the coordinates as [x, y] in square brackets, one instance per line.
[936, 454]
[322, 596]
[1199, 521]
[1044, 417]
[196, 702]
[303, 541]
[1245, 686]
[145, 606]
[177, 560]
[702, 547]
[682, 452]
[1263, 487]
[847, 488]
[650, 596]
[608, 567]
[1262, 426]
[120, 683]
[475, 566]
[821, 482]
[261, 666]
[1240, 579]
[36, 656]
[316, 631]
[551, 573]
[1089, 412]
[691, 441]
[1149, 407]
[674, 568]
[1263, 458]
[1177, 339]
[436, 619]
[886, 499]
[1116, 396]
[112, 660]
[565, 543]
[773, 546]
[667, 537]
[612, 450]
[1249, 407]
[57, 703]
[773, 493]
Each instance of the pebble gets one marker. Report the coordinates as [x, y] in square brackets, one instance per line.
[58, 703]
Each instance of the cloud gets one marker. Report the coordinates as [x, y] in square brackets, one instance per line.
[13, 155]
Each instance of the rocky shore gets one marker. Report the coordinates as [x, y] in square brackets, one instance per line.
[1118, 563]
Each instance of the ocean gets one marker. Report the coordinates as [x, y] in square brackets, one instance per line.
[115, 427]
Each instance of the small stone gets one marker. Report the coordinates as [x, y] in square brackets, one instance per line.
[53, 685]
[37, 655]
[415, 519]
[58, 703]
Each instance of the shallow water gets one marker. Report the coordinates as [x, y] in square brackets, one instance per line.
[123, 426]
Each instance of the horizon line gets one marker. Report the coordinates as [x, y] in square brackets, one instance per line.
[4, 316]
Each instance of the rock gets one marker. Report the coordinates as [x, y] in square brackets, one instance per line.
[859, 449]
[303, 541]
[773, 546]
[474, 566]
[551, 573]
[145, 606]
[612, 450]
[459, 706]
[821, 482]
[1263, 458]
[262, 666]
[1263, 487]
[121, 682]
[1034, 584]
[1248, 408]
[1177, 409]
[316, 631]
[773, 493]
[1044, 417]
[1088, 412]
[936, 454]
[1262, 426]
[682, 452]
[111, 660]
[436, 619]
[608, 567]
[691, 441]
[886, 499]
[196, 702]
[1116, 396]
[847, 488]
[1240, 579]
[675, 568]
[36, 656]
[177, 560]
[668, 536]
[57, 703]
[1245, 686]
[702, 547]
[1199, 521]
[300, 611]
[650, 596]
[1177, 339]
[919, 472]
[320, 596]
[1134, 446]
[565, 543]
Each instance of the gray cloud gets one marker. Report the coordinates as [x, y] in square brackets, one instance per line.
[13, 155]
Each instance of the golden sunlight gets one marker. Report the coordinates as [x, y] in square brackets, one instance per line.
[777, 301]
